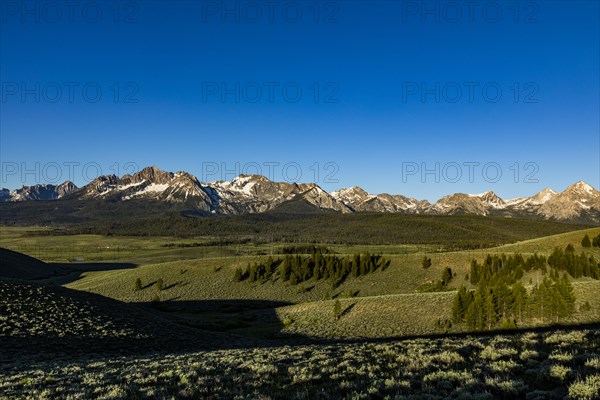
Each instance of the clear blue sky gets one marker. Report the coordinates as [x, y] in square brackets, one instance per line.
[369, 60]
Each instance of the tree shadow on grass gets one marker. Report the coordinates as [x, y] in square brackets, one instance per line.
[175, 284]
[149, 285]
[347, 310]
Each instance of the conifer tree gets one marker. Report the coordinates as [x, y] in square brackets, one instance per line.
[337, 309]
[238, 274]
[585, 242]
[520, 301]
[284, 270]
[490, 313]
[475, 312]
[565, 294]
[474, 273]
[459, 306]
[446, 276]
[426, 262]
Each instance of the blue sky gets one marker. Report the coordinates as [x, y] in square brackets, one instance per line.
[386, 87]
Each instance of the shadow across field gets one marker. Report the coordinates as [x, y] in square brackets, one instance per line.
[71, 272]
[46, 321]
[258, 319]
[181, 326]
[248, 318]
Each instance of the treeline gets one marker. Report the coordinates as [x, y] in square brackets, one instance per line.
[505, 268]
[501, 300]
[303, 249]
[209, 243]
[298, 268]
[577, 265]
[499, 305]
[261, 271]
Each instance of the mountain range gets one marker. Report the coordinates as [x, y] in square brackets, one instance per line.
[257, 194]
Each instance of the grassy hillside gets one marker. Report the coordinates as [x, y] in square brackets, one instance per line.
[201, 291]
[213, 277]
[385, 303]
[399, 315]
[60, 342]
[547, 243]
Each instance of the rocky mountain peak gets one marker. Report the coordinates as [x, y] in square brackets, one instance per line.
[543, 196]
[65, 188]
[492, 198]
[39, 192]
[149, 174]
[582, 188]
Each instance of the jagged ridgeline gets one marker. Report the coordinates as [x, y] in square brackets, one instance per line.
[298, 268]
[501, 300]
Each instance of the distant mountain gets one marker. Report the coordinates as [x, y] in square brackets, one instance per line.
[579, 200]
[257, 194]
[460, 203]
[38, 192]
[150, 183]
[533, 202]
[359, 200]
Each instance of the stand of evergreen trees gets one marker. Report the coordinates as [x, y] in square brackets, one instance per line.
[505, 268]
[501, 300]
[500, 305]
[258, 271]
[576, 265]
[586, 242]
[298, 268]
